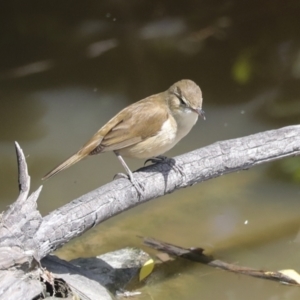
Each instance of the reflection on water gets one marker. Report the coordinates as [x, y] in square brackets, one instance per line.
[62, 80]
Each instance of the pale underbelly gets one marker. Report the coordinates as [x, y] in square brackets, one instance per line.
[165, 140]
[149, 148]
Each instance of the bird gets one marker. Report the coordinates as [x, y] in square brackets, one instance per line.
[145, 129]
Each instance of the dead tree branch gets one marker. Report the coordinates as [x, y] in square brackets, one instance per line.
[194, 167]
[26, 237]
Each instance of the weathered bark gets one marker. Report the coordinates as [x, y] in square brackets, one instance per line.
[194, 167]
[19, 224]
[18, 273]
[26, 237]
[21, 275]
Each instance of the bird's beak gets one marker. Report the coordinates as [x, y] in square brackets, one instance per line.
[201, 113]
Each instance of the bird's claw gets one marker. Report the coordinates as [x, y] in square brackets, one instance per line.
[157, 159]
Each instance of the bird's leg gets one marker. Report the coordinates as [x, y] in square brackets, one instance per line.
[138, 187]
[165, 159]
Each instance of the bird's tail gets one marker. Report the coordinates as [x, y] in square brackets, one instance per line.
[66, 164]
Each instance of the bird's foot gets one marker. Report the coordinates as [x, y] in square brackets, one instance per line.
[137, 185]
[167, 160]
[158, 159]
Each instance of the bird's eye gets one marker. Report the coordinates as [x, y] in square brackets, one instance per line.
[181, 101]
[180, 98]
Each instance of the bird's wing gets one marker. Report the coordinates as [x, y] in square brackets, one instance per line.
[135, 123]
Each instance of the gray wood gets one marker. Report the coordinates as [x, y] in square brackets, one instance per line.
[18, 251]
[205, 163]
[15, 285]
[26, 237]
[20, 268]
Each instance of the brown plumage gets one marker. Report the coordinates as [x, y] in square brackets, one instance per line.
[146, 128]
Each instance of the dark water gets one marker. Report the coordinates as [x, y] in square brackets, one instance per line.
[67, 68]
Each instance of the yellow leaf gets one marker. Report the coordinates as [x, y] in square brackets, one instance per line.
[146, 269]
[292, 274]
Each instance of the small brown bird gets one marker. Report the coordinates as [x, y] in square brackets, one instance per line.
[145, 129]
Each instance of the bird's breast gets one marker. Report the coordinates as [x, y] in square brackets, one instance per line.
[171, 132]
[185, 122]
